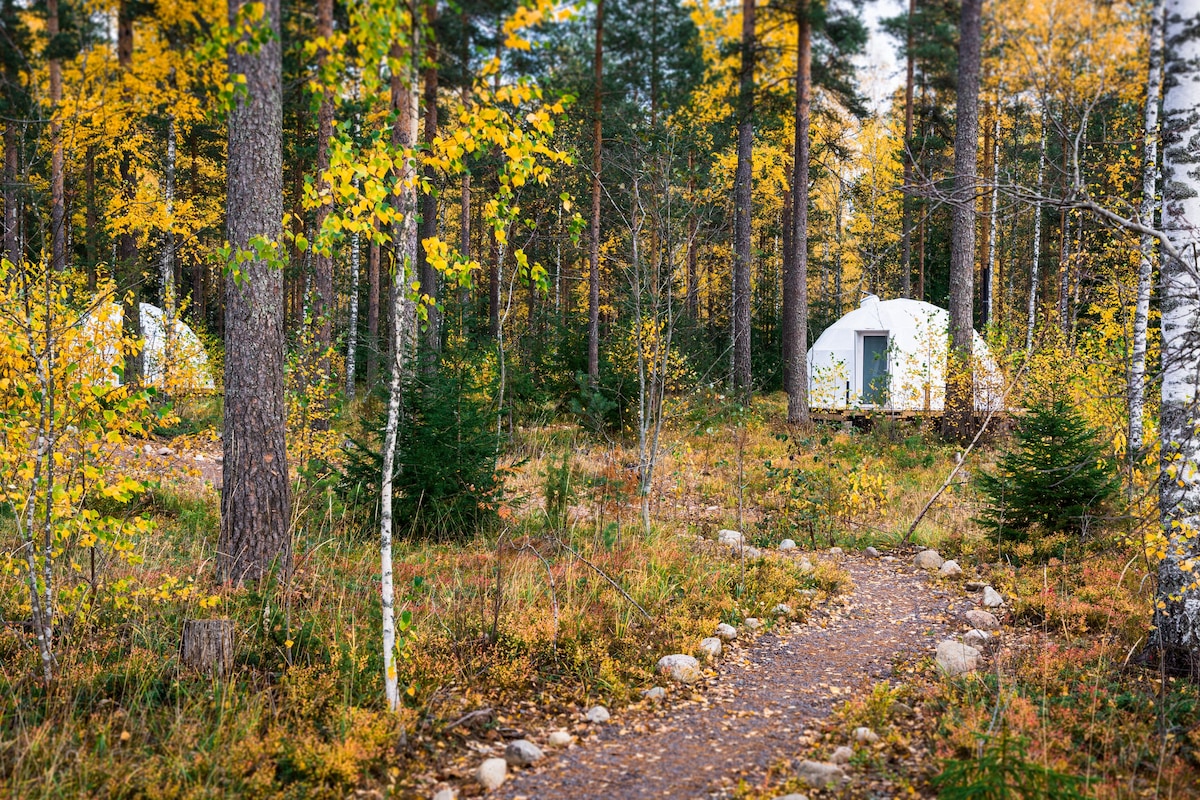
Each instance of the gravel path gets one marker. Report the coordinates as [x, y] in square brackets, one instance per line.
[766, 696]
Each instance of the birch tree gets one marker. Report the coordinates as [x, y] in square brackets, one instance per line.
[742, 195]
[1177, 613]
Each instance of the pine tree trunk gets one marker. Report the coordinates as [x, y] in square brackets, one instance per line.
[905, 200]
[323, 257]
[207, 645]
[255, 499]
[960, 395]
[742, 197]
[795, 271]
[426, 274]
[594, 225]
[1141, 312]
[58, 217]
[1177, 617]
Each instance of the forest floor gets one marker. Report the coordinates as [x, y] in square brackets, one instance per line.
[766, 701]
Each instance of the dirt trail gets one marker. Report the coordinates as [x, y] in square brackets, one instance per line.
[768, 693]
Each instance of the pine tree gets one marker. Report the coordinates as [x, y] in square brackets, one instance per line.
[1053, 480]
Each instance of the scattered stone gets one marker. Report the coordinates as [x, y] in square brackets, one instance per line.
[560, 739]
[200, 457]
[842, 755]
[983, 620]
[781, 610]
[865, 735]
[748, 551]
[974, 586]
[680, 668]
[977, 638]
[956, 658]
[888, 559]
[805, 566]
[752, 623]
[819, 773]
[655, 695]
[835, 551]
[731, 538]
[787, 544]
[598, 714]
[929, 559]
[902, 710]
[950, 569]
[792, 797]
[872, 552]
[992, 598]
[726, 632]
[710, 648]
[166, 451]
[522, 753]
[492, 773]
[445, 794]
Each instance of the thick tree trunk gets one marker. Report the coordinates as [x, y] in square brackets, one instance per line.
[795, 270]
[905, 200]
[742, 199]
[594, 225]
[1177, 617]
[426, 274]
[960, 395]
[207, 645]
[255, 498]
[58, 217]
[323, 257]
[1141, 311]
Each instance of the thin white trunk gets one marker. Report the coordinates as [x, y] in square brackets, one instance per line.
[1177, 614]
[167, 265]
[352, 336]
[995, 221]
[1037, 240]
[1141, 310]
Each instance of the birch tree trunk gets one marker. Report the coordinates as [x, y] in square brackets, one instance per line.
[127, 245]
[960, 395]
[323, 261]
[58, 218]
[1141, 311]
[1177, 614]
[426, 274]
[742, 196]
[1031, 320]
[404, 136]
[795, 271]
[993, 227]
[906, 201]
[167, 257]
[352, 324]
[255, 501]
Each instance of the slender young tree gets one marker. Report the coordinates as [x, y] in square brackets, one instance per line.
[255, 500]
[742, 192]
[795, 274]
[58, 218]
[426, 274]
[1035, 264]
[960, 395]
[594, 225]
[127, 244]
[322, 310]
[1177, 613]
[1141, 312]
[905, 201]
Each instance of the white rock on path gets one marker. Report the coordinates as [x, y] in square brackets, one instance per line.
[929, 559]
[710, 648]
[680, 668]
[560, 739]
[732, 538]
[522, 753]
[983, 620]
[805, 566]
[752, 623]
[865, 735]
[955, 658]
[655, 695]
[781, 610]
[598, 714]
[835, 551]
[819, 773]
[445, 794]
[977, 638]
[950, 569]
[492, 773]
[787, 544]
[842, 755]
[792, 797]
[872, 552]
[726, 632]
[992, 598]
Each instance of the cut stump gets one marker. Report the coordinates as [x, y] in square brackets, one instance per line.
[207, 645]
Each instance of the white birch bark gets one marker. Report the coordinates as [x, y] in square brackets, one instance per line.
[167, 263]
[352, 334]
[1177, 615]
[1141, 311]
[995, 222]
[1037, 240]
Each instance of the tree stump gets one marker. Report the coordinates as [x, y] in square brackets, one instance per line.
[207, 645]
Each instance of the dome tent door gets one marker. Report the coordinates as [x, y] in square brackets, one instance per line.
[875, 377]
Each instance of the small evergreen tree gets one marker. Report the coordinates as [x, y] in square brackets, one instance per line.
[1054, 478]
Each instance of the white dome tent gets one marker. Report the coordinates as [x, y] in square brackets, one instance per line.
[890, 355]
[188, 370]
